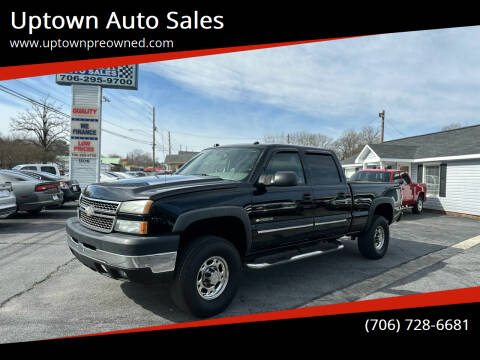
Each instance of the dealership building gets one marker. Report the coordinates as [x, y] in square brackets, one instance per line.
[447, 161]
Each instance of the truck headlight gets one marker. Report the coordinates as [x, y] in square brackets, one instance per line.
[141, 207]
[132, 227]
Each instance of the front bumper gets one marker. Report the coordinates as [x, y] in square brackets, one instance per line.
[5, 211]
[121, 255]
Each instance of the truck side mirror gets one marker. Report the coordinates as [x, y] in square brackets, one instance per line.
[281, 178]
[285, 178]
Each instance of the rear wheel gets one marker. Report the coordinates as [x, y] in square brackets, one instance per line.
[373, 244]
[35, 212]
[418, 207]
[206, 276]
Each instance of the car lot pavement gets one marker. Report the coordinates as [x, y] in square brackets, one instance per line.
[46, 293]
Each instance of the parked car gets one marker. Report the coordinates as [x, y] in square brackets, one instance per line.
[70, 188]
[105, 177]
[48, 168]
[8, 201]
[136, 173]
[32, 194]
[120, 175]
[258, 205]
[413, 194]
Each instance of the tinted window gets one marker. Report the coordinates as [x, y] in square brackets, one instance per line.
[34, 168]
[373, 176]
[49, 169]
[323, 169]
[286, 162]
[36, 176]
[11, 177]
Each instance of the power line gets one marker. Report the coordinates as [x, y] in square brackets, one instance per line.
[33, 101]
[398, 131]
[126, 137]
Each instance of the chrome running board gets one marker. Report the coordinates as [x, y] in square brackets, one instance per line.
[265, 264]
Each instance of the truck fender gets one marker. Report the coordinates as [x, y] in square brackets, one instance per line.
[189, 217]
[377, 202]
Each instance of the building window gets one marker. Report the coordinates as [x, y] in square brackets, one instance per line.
[432, 179]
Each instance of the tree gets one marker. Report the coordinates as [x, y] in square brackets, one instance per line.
[42, 125]
[452, 126]
[301, 138]
[352, 142]
[139, 158]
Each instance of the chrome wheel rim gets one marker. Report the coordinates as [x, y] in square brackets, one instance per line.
[212, 278]
[420, 204]
[379, 238]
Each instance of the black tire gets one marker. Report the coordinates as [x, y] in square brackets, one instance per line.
[35, 212]
[371, 246]
[197, 253]
[418, 207]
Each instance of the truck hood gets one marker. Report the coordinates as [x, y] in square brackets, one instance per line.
[155, 187]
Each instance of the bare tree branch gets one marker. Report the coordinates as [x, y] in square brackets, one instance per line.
[42, 125]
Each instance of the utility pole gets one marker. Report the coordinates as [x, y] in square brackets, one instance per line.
[169, 145]
[382, 115]
[154, 129]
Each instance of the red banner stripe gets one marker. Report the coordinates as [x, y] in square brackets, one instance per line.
[447, 297]
[22, 71]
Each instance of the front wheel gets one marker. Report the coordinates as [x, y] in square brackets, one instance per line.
[373, 244]
[206, 276]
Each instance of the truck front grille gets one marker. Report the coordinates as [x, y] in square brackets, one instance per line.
[102, 206]
[98, 215]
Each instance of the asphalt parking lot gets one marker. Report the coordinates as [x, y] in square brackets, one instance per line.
[46, 293]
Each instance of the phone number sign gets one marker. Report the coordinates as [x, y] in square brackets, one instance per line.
[116, 77]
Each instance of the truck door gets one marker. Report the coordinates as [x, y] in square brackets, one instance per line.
[331, 195]
[407, 190]
[281, 215]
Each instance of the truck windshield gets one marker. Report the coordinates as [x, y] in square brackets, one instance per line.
[226, 163]
[373, 176]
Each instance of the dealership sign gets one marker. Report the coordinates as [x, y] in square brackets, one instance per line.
[118, 77]
[84, 131]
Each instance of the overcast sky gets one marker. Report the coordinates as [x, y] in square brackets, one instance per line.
[424, 80]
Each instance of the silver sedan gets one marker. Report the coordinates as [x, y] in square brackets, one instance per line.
[32, 195]
[8, 201]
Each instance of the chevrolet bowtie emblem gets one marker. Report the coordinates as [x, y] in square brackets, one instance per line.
[89, 210]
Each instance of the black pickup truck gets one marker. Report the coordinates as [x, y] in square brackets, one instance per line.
[230, 206]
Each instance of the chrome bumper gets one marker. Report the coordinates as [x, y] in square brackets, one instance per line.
[157, 263]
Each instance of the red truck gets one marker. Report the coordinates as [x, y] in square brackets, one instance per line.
[413, 194]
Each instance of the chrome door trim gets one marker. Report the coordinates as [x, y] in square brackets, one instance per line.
[284, 228]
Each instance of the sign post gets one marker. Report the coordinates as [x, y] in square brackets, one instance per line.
[86, 116]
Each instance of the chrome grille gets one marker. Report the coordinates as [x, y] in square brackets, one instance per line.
[98, 214]
[96, 222]
[102, 206]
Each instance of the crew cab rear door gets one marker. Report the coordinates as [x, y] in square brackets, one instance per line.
[332, 202]
[281, 215]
